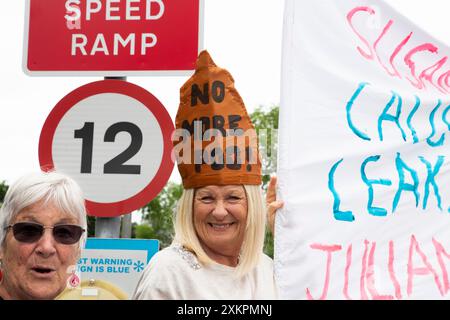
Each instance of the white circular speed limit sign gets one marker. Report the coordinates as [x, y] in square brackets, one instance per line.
[114, 139]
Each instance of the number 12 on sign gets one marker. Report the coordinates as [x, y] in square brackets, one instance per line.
[115, 165]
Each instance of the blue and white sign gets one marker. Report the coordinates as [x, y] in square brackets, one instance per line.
[119, 262]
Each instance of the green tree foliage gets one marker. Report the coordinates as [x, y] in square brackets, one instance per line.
[144, 231]
[266, 125]
[157, 216]
[91, 226]
[265, 121]
[3, 188]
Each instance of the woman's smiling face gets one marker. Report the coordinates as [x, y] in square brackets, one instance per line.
[220, 219]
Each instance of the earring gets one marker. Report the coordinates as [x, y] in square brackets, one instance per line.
[74, 280]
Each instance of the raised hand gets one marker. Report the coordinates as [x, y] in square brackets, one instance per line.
[272, 203]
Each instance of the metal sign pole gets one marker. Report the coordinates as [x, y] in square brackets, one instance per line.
[125, 232]
[108, 227]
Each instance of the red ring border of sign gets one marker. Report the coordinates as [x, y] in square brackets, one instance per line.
[113, 209]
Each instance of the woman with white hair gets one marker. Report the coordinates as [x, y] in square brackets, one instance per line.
[42, 231]
[217, 252]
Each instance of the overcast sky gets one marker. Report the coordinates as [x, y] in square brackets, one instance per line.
[243, 36]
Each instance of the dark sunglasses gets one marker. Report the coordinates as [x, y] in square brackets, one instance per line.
[29, 232]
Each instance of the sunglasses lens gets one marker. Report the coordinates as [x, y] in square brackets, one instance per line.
[67, 234]
[27, 232]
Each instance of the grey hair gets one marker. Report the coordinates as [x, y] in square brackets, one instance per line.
[50, 187]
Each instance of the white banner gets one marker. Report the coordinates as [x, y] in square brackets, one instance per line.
[364, 155]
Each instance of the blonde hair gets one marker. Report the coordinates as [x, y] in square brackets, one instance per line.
[252, 246]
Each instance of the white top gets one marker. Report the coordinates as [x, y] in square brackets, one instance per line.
[175, 273]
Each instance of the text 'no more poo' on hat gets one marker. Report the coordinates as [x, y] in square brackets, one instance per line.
[215, 142]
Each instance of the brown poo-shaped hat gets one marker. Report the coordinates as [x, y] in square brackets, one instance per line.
[215, 142]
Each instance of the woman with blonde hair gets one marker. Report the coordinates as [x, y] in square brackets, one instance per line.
[217, 252]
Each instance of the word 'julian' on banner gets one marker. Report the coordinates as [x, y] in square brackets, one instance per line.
[400, 277]
[111, 11]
